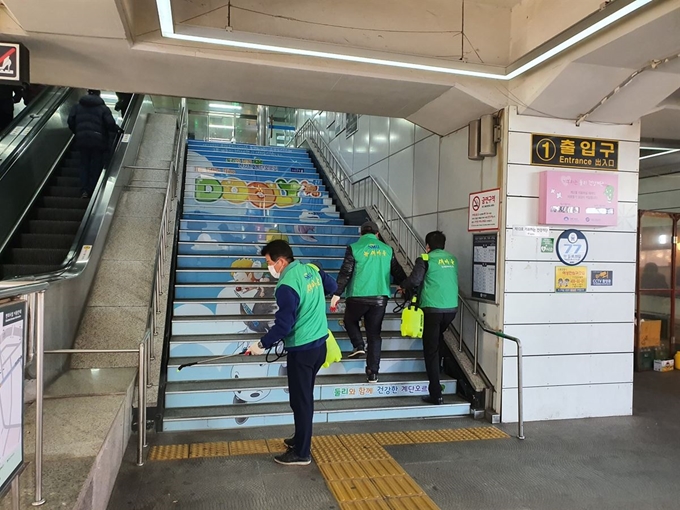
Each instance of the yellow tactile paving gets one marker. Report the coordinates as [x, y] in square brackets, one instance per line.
[357, 489]
[169, 452]
[342, 471]
[368, 452]
[326, 441]
[371, 504]
[351, 440]
[381, 467]
[252, 447]
[324, 455]
[276, 446]
[197, 450]
[488, 433]
[413, 503]
[397, 486]
[452, 435]
[425, 436]
[391, 438]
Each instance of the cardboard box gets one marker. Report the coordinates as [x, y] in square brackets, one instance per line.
[663, 365]
[650, 334]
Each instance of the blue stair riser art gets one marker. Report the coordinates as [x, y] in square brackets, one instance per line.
[209, 246]
[227, 262]
[310, 228]
[258, 324]
[239, 178]
[297, 241]
[246, 289]
[270, 220]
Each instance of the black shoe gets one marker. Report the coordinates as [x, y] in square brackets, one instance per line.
[290, 458]
[289, 442]
[84, 194]
[357, 351]
[434, 401]
[372, 378]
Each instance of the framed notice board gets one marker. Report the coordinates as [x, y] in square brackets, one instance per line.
[12, 341]
[484, 253]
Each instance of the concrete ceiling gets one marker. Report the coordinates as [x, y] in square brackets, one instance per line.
[116, 44]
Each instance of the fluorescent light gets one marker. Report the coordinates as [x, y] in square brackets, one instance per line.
[592, 29]
[226, 106]
[220, 126]
[669, 151]
[657, 148]
[168, 30]
[663, 239]
[113, 97]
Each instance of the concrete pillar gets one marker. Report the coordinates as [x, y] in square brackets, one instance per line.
[262, 125]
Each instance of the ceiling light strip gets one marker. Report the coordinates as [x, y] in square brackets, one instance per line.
[168, 30]
[671, 151]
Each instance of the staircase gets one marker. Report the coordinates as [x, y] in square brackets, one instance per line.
[236, 199]
[44, 240]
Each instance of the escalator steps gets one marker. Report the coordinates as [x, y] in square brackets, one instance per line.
[48, 213]
[64, 202]
[50, 241]
[30, 256]
[12, 270]
[68, 181]
[53, 227]
[63, 191]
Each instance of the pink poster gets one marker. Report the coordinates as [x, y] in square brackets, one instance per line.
[578, 198]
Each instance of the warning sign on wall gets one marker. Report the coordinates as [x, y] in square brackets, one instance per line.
[13, 63]
[484, 210]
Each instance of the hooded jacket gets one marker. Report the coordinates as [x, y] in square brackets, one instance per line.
[91, 121]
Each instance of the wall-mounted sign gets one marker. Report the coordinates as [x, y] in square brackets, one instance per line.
[531, 231]
[484, 266]
[547, 245]
[571, 279]
[601, 278]
[570, 152]
[14, 66]
[484, 210]
[578, 198]
[572, 247]
[12, 342]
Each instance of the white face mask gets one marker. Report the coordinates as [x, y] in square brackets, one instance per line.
[273, 272]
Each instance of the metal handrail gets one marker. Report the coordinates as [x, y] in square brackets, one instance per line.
[374, 196]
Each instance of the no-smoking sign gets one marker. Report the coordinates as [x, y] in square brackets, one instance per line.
[484, 210]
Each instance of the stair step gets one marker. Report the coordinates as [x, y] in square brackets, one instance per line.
[295, 240]
[209, 246]
[43, 257]
[50, 213]
[275, 390]
[54, 241]
[64, 191]
[221, 276]
[256, 367]
[230, 417]
[224, 209]
[270, 221]
[72, 182]
[14, 270]
[212, 290]
[305, 228]
[226, 262]
[53, 227]
[64, 202]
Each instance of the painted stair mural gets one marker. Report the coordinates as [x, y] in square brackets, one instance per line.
[237, 198]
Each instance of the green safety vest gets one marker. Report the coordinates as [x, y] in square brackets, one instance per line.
[440, 286]
[373, 260]
[311, 323]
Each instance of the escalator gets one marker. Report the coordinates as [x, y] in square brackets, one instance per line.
[43, 241]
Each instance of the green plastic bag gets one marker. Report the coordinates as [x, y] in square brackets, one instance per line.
[333, 353]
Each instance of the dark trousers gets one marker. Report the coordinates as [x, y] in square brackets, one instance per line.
[373, 316]
[302, 369]
[434, 326]
[91, 164]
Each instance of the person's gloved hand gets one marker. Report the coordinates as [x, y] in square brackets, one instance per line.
[254, 349]
[334, 303]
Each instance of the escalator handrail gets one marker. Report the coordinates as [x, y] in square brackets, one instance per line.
[27, 110]
[33, 133]
[77, 245]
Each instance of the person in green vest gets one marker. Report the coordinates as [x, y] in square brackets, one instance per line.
[365, 276]
[435, 274]
[302, 325]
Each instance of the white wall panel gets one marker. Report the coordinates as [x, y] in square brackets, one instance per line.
[529, 124]
[381, 172]
[347, 150]
[519, 152]
[422, 133]
[523, 182]
[566, 308]
[458, 176]
[547, 339]
[402, 134]
[603, 247]
[361, 146]
[537, 277]
[569, 402]
[426, 171]
[401, 180]
[569, 370]
[424, 224]
[524, 211]
[380, 139]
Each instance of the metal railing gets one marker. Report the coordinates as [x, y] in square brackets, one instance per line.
[367, 193]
